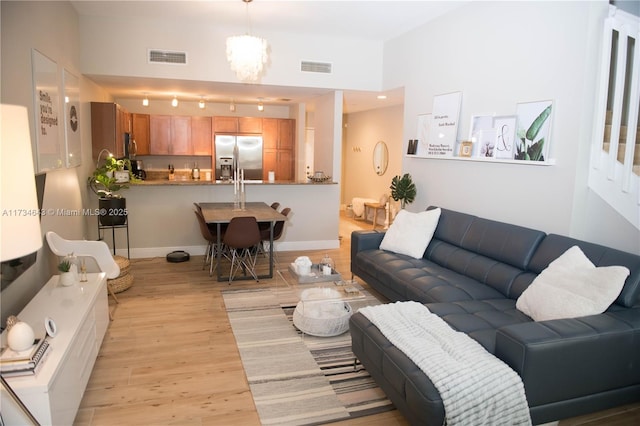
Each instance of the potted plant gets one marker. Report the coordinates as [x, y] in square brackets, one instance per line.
[66, 275]
[403, 189]
[105, 184]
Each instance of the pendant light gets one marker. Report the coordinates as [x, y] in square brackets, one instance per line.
[247, 54]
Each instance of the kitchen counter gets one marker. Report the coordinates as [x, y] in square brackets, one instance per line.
[189, 182]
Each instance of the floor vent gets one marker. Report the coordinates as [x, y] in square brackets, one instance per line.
[321, 67]
[167, 57]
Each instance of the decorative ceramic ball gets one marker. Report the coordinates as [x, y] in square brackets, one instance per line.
[20, 337]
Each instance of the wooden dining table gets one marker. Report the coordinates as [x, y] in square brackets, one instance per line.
[222, 213]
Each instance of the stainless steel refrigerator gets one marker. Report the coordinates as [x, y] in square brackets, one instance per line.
[246, 152]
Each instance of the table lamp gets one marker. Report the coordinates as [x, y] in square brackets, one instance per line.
[20, 233]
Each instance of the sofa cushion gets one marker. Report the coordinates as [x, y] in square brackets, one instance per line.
[506, 243]
[571, 286]
[480, 319]
[410, 233]
[554, 245]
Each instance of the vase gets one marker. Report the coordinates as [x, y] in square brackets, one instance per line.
[20, 336]
[67, 279]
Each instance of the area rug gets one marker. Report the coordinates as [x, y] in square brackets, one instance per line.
[298, 379]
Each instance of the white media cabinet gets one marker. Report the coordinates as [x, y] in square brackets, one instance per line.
[81, 315]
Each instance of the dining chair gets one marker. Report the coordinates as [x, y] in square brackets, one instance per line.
[275, 205]
[278, 228]
[241, 238]
[212, 242]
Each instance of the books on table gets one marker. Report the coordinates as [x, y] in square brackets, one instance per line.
[24, 363]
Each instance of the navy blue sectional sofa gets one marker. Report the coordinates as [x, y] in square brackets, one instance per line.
[471, 275]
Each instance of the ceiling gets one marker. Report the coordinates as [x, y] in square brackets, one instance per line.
[363, 19]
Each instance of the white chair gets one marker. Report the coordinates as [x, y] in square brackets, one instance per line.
[98, 250]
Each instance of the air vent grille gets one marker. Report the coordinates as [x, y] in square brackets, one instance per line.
[167, 57]
[320, 67]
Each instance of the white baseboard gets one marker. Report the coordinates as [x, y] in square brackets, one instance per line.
[150, 252]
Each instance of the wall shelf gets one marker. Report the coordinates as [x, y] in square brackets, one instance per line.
[550, 162]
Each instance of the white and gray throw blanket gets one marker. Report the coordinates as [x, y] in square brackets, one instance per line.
[476, 387]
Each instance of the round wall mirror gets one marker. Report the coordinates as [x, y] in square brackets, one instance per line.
[380, 158]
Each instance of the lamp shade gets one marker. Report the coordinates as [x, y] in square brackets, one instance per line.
[20, 233]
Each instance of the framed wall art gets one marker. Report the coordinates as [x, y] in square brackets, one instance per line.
[444, 125]
[533, 130]
[479, 124]
[466, 149]
[423, 133]
[505, 127]
[49, 149]
[73, 146]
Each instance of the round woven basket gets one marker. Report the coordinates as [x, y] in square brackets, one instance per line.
[121, 283]
[123, 263]
[322, 318]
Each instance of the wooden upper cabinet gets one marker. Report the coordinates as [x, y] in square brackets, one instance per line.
[270, 133]
[109, 122]
[250, 125]
[160, 134]
[140, 133]
[237, 124]
[201, 135]
[278, 133]
[181, 135]
[225, 124]
[286, 134]
[278, 141]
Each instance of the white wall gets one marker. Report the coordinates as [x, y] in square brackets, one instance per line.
[361, 133]
[118, 46]
[499, 54]
[52, 28]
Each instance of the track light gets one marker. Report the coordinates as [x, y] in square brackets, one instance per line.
[174, 102]
[232, 106]
[201, 104]
[145, 101]
[260, 105]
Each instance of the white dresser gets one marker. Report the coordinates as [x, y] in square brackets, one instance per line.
[81, 314]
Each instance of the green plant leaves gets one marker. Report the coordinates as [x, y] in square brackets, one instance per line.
[403, 189]
[535, 127]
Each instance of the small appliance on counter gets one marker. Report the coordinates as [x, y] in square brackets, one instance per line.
[137, 169]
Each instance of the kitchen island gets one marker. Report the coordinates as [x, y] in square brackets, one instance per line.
[161, 218]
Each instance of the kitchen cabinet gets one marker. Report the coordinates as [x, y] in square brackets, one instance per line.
[140, 133]
[109, 123]
[201, 135]
[278, 137]
[170, 135]
[237, 125]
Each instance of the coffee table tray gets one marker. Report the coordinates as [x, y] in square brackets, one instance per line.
[316, 275]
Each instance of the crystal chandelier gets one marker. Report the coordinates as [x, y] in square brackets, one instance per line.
[247, 54]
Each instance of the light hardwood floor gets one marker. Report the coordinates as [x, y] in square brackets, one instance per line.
[170, 358]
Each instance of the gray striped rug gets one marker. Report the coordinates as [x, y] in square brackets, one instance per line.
[298, 379]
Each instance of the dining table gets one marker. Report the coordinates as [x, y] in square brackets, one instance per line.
[220, 213]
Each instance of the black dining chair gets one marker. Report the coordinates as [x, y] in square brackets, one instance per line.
[278, 228]
[211, 253]
[241, 238]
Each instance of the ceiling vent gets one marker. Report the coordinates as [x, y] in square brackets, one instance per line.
[167, 57]
[321, 67]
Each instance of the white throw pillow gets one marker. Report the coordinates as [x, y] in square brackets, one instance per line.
[410, 233]
[571, 286]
